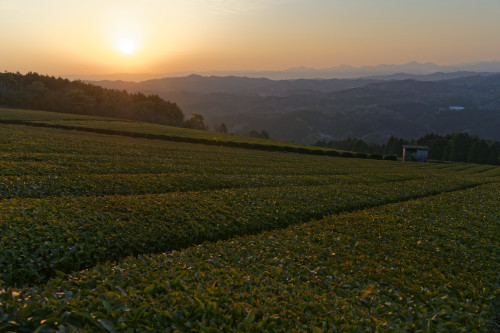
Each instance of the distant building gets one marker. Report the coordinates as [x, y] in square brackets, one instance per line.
[415, 153]
[456, 108]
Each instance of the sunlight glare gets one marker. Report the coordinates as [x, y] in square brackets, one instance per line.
[127, 46]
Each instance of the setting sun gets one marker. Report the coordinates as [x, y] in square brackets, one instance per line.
[196, 36]
[127, 46]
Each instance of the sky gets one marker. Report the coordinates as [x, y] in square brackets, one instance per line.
[60, 37]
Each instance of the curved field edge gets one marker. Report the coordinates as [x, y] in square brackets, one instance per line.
[40, 237]
[419, 265]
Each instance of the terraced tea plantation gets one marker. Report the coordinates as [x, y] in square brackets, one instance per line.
[112, 233]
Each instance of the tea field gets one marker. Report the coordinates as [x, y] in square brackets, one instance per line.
[138, 129]
[113, 233]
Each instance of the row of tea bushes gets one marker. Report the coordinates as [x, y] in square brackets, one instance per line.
[35, 151]
[129, 184]
[420, 265]
[27, 151]
[39, 237]
[207, 139]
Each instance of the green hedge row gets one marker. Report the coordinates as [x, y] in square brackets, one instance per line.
[422, 265]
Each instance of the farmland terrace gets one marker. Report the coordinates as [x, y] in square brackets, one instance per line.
[115, 233]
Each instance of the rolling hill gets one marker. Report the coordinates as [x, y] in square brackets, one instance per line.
[305, 111]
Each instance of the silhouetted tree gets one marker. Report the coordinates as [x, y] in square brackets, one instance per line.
[494, 154]
[392, 147]
[255, 134]
[436, 144]
[196, 121]
[222, 128]
[360, 146]
[478, 152]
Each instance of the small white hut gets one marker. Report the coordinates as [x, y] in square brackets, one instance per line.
[415, 153]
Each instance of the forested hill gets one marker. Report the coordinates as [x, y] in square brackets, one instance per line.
[305, 111]
[34, 91]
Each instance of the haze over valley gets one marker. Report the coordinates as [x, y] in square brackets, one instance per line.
[405, 105]
[412, 69]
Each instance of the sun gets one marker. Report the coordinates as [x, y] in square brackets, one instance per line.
[127, 46]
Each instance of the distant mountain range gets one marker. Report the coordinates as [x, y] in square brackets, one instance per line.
[348, 72]
[339, 72]
[263, 86]
[306, 110]
[234, 85]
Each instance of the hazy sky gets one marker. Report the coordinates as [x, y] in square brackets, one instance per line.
[162, 36]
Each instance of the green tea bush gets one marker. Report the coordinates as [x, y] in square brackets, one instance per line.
[421, 265]
[247, 257]
[361, 155]
[375, 156]
[347, 154]
[43, 236]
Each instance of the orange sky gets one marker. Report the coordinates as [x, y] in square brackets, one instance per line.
[162, 36]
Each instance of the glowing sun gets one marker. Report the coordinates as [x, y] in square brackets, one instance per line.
[127, 46]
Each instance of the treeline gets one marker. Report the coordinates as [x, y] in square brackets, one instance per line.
[458, 147]
[47, 93]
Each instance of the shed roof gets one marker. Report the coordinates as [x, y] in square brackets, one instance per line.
[416, 147]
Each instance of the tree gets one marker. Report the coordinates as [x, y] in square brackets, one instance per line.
[459, 147]
[478, 152]
[360, 146]
[436, 144]
[222, 128]
[392, 146]
[77, 101]
[157, 111]
[255, 134]
[494, 154]
[196, 121]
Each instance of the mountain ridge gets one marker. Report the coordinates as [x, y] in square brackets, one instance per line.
[339, 72]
